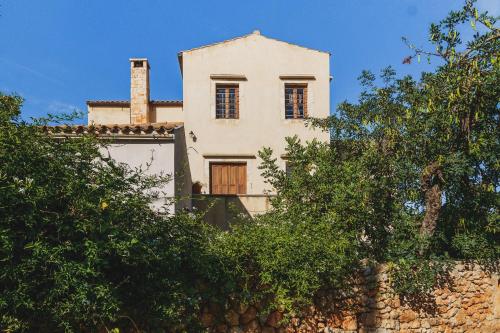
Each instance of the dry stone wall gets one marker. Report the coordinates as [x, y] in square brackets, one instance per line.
[468, 302]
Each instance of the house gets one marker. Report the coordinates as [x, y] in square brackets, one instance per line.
[239, 96]
[151, 147]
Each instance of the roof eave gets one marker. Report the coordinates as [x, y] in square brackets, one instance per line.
[108, 103]
[245, 36]
[127, 103]
[156, 137]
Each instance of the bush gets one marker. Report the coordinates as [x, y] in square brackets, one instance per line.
[80, 247]
[284, 263]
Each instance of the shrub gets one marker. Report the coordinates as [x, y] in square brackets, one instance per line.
[80, 246]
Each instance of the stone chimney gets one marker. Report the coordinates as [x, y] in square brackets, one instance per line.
[139, 91]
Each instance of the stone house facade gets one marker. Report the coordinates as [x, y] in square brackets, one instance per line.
[239, 96]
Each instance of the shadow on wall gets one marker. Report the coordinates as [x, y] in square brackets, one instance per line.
[182, 177]
[222, 210]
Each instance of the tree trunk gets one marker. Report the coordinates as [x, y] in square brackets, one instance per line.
[431, 186]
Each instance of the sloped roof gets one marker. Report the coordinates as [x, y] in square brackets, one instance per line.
[127, 130]
[254, 33]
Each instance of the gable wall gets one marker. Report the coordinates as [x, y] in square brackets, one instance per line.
[261, 120]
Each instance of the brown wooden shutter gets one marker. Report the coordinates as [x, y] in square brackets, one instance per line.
[237, 101]
[294, 101]
[242, 179]
[215, 179]
[305, 101]
[226, 108]
[228, 178]
[226, 102]
[295, 105]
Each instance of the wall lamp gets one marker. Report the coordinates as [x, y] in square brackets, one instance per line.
[192, 136]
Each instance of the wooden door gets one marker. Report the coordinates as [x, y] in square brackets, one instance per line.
[228, 178]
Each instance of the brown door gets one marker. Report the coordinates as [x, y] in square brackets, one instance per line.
[228, 178]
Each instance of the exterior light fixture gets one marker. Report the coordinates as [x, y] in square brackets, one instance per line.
[192, 136]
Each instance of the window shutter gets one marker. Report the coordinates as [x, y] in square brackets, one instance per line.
[227, 101]
[226, 107]
[295, 101]
[228, 178]
[295, 105]
[305, 102]
[237, 101]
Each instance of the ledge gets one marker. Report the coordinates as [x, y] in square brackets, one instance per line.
[298, 77]
[228, 77]
[234, 195]
[233, 156]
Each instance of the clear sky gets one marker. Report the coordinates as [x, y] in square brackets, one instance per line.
[59, 53]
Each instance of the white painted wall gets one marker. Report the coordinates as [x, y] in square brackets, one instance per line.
[138, 153]
[108, 115]
[261, 61]
[261, 120]
[164, 114]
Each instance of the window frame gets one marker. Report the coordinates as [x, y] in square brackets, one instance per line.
[295, 104]
[227, 114]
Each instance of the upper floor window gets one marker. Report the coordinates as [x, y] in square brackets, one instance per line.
[295, 101]
[227, 101]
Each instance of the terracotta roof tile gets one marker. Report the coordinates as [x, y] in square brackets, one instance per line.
[159, 129]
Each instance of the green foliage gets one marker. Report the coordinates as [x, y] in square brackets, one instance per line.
[286, 263]
[412, 170]
[410, 178]
[416, 276]
[80, 246]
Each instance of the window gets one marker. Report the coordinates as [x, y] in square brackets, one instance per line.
[138, 63]
[228, 178]
[227, 102]
[295, 101]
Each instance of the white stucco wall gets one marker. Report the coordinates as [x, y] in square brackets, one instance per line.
[162, 114]
[138, 153]
[261, 120]
[108, 115]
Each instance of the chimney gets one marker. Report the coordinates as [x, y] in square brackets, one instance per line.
[139, 90]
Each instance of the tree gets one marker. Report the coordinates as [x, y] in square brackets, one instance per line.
[464, 93]
[412, 169]
[80, 247]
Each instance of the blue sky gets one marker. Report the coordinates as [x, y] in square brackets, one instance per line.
[59, 53]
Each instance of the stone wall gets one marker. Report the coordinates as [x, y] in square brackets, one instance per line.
[468, 302]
